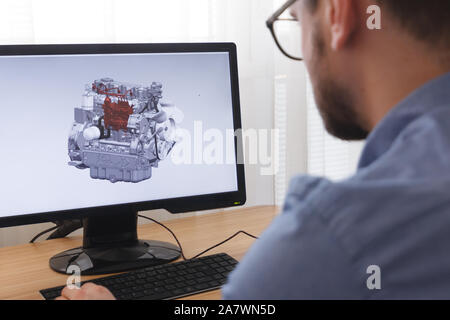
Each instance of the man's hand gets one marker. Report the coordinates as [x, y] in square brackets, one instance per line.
[89, 291]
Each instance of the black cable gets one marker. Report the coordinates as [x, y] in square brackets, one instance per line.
[65, 228]
[42, 233]
[171, 232]
[221, 243]
[203, 252]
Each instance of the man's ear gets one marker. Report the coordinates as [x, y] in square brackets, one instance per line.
[342, 19]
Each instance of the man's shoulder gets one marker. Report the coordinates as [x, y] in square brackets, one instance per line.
[364, 214]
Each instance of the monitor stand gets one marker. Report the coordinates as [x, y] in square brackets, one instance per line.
[110, 244]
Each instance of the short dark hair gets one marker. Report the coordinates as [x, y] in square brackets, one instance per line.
[426, 20]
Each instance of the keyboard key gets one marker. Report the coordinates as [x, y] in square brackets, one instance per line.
[179, 292]
[214, 283]
[201, 286]
[137, 295]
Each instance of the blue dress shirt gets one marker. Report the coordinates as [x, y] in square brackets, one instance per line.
[394, 213]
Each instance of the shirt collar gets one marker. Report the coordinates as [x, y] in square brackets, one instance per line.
[421, 101]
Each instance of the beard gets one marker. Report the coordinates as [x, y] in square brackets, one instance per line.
[335, 102]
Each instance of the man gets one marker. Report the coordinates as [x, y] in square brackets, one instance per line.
[385, 232]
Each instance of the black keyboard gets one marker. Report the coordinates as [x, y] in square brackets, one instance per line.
[169, 281]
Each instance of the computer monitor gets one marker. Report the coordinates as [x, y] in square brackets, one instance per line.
[101, 131]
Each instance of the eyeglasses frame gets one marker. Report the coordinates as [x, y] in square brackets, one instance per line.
[276, 17]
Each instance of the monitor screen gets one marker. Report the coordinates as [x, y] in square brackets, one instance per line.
[91, 130]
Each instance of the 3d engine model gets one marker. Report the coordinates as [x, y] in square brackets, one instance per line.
[121, 131]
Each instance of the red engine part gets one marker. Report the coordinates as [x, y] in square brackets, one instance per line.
[116, 114]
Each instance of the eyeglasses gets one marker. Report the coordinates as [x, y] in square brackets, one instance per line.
[286, 32]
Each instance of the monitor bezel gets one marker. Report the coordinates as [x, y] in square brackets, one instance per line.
[173, 205]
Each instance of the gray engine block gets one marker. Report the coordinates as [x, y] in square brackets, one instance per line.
[121, 131]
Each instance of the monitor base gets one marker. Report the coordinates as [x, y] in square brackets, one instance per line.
[111, 244]
[91, 261]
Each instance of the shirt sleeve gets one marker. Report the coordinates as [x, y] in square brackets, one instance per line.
[297, 257]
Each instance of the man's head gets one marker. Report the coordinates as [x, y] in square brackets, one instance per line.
[358, 74]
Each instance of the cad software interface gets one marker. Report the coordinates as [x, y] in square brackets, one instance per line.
[82, 131]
